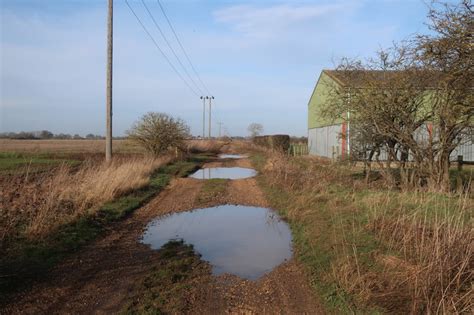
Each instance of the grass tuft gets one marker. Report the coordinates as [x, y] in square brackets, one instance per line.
[370, 249]
[212, 190]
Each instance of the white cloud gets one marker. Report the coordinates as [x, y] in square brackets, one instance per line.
[265, 21]
[260, 61]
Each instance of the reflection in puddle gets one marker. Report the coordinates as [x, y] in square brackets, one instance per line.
[232, 156]
[224, 172]
[244, 241]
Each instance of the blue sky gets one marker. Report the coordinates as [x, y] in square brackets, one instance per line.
[260, 59]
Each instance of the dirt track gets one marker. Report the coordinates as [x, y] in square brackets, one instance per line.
[100, 278]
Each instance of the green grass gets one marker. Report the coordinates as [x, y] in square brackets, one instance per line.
[28, 259]
[181, 168]
[14, 163]
[162, 290]
[212, 190]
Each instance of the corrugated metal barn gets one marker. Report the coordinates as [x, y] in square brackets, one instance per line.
[331, 139]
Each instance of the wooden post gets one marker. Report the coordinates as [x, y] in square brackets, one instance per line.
[460, 177]
[460, 162]
[108, 133]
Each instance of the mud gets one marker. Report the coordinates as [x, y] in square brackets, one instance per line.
[100, 278]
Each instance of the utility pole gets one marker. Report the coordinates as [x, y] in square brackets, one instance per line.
[204, 115]
[210, 106]
[108, 135]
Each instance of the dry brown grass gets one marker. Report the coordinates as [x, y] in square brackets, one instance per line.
[436, 246]
[34, 205]
[405, 252]
[204, 146]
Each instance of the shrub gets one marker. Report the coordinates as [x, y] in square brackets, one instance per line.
[159, 132]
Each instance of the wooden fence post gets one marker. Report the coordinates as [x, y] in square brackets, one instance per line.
[460, 163]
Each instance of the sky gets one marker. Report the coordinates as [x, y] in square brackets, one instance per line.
[259, 59]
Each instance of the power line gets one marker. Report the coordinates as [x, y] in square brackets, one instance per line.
[182, 48]
[170, 47]
[159, 49]
[216, 113]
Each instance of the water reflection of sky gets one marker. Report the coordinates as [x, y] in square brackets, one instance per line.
[224, 172]
[231, 156]
[241, 240]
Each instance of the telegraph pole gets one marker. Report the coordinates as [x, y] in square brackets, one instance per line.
[204, 115]
[210, 105]
[108, 135]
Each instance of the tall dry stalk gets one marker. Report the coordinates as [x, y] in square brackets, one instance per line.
[46, 202]
[433, 235]
[436, 242]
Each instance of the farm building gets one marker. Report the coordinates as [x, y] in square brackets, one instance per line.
[332, 139]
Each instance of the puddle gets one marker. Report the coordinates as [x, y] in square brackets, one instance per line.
[232, 156]
[240, 240]
[224, 172]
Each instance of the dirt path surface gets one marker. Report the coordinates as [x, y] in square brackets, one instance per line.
[100, 278]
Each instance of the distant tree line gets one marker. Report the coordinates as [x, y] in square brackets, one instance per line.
[46, 134]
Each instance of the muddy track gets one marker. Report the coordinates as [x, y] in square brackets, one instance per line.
[100, 278]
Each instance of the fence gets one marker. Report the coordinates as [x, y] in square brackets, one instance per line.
[297, 149]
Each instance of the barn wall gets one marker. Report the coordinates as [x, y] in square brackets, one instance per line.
[466, 150]
[319, 99]
[324, 135]
[324, 141]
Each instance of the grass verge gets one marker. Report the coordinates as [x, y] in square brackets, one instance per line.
[212, 190]
[27, 258]
[369, 249]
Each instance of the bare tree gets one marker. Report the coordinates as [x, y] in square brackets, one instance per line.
[384, 101]
[414, 100]
[255, 129]
[449, 50]
[159, 132]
